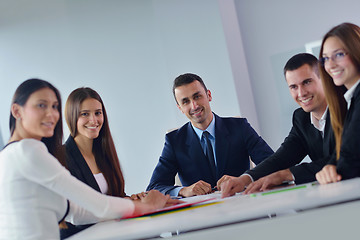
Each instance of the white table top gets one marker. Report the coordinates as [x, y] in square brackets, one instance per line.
[329, 223]
[238, 209]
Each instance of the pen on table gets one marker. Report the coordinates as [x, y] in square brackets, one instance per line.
[176, 197]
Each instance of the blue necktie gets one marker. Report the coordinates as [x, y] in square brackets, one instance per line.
[210, 153]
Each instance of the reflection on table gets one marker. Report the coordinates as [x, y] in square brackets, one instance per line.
[309, 204]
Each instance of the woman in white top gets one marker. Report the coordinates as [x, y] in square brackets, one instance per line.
[34, 186]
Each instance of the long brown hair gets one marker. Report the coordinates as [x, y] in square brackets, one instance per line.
[103, 147]
[349, 35]
[21, 95]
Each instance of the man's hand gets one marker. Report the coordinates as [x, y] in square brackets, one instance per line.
[328, 175]
[229, 185]
[138, 196]
[269, 181]
[198, 188]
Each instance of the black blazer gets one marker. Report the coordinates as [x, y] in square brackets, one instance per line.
[303, 139]
[78, 167]
[235, 141]
[77, 164]
[348, 165]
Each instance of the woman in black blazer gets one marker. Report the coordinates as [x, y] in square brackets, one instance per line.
[340, 72]
[90, 151]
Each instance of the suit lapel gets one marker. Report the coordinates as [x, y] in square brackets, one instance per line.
[352, 105]
[221, 145]
[82, 165]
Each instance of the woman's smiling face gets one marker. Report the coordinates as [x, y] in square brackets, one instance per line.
[338, 63]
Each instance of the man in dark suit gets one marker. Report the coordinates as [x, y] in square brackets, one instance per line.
[201, 162]
[310, 135]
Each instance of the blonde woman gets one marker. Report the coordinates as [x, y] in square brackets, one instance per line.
[340, 71]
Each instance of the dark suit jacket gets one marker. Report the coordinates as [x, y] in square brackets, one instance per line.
[235, 141]
[303, 139]
[348, 165]
[78, 167]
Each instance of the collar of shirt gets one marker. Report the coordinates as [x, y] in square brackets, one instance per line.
[210, 129]
[319, 124]
[349, 93]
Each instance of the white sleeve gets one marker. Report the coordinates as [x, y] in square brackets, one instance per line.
[38, 165]
[79, 216]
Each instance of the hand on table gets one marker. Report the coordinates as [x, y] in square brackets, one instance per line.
[152, 201]
[229, 185]
[198, 188]
[269, 181]
[328, 175]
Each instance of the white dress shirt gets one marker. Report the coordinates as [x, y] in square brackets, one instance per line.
[319, 124]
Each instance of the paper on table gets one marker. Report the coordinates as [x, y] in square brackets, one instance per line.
[211, 196]
[187, 203]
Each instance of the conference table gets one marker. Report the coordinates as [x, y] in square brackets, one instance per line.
[295, 212]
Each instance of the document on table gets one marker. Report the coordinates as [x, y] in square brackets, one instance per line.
[215, 196]
[187, 202]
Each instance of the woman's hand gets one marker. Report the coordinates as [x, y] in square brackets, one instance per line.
[152, 201]
[328, 175]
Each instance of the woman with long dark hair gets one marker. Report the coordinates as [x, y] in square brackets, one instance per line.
[90, 151]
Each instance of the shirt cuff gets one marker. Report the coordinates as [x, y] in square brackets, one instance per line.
[292, 181]
[175, 192]
[246, 174]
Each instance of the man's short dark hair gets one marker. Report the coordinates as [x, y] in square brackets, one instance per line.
[301, 59]
[186, 79]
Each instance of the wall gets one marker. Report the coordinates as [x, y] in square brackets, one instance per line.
[272, 32]
[129, 51]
